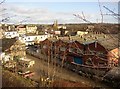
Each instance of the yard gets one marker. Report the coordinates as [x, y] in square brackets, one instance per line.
[59, 74]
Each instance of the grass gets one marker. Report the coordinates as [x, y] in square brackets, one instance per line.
[10, 79]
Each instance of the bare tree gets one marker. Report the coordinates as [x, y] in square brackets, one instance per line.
[2, 2]
[115, 15]
[100, 12]
[82, 17]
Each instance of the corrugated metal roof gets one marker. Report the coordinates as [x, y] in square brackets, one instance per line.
[105, 40]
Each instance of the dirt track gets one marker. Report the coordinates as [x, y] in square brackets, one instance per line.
[41, 67]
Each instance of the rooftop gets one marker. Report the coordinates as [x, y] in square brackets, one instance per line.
[105, 40]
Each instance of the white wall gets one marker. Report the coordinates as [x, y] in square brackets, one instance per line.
[31, 39]
[11, 34]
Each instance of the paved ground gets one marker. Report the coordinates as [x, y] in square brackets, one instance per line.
[41, 68]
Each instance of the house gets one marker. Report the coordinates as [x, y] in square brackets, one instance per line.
[47, 45]
[4, 57]
[11, 34]
[81, 33]
[4, 27]
[31, 29]
[57, 32]
[30, 39]
[91, 26]
[21, 29]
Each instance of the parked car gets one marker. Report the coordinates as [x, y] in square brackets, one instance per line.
[27, 74]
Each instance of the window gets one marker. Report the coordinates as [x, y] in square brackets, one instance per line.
[101, 63]
[62, 48]
[88, 61]
[79, 51]
[72, 50]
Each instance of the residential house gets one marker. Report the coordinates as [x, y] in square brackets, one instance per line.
[4, 27]
[21, 29]
[31, 29]
[4, 58]
[30, 39]
[81, 33]
[11, 34]
[91, 26]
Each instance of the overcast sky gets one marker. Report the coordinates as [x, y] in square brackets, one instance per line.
[35, 11]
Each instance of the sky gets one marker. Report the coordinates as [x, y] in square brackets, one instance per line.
[46, 12]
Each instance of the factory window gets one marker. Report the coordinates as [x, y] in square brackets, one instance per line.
[62, 48]
[101, 63]
[101, 54]
[79, 51]
[72, 50]
[89, 61]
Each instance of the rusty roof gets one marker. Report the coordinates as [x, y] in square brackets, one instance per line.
[106, 41]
